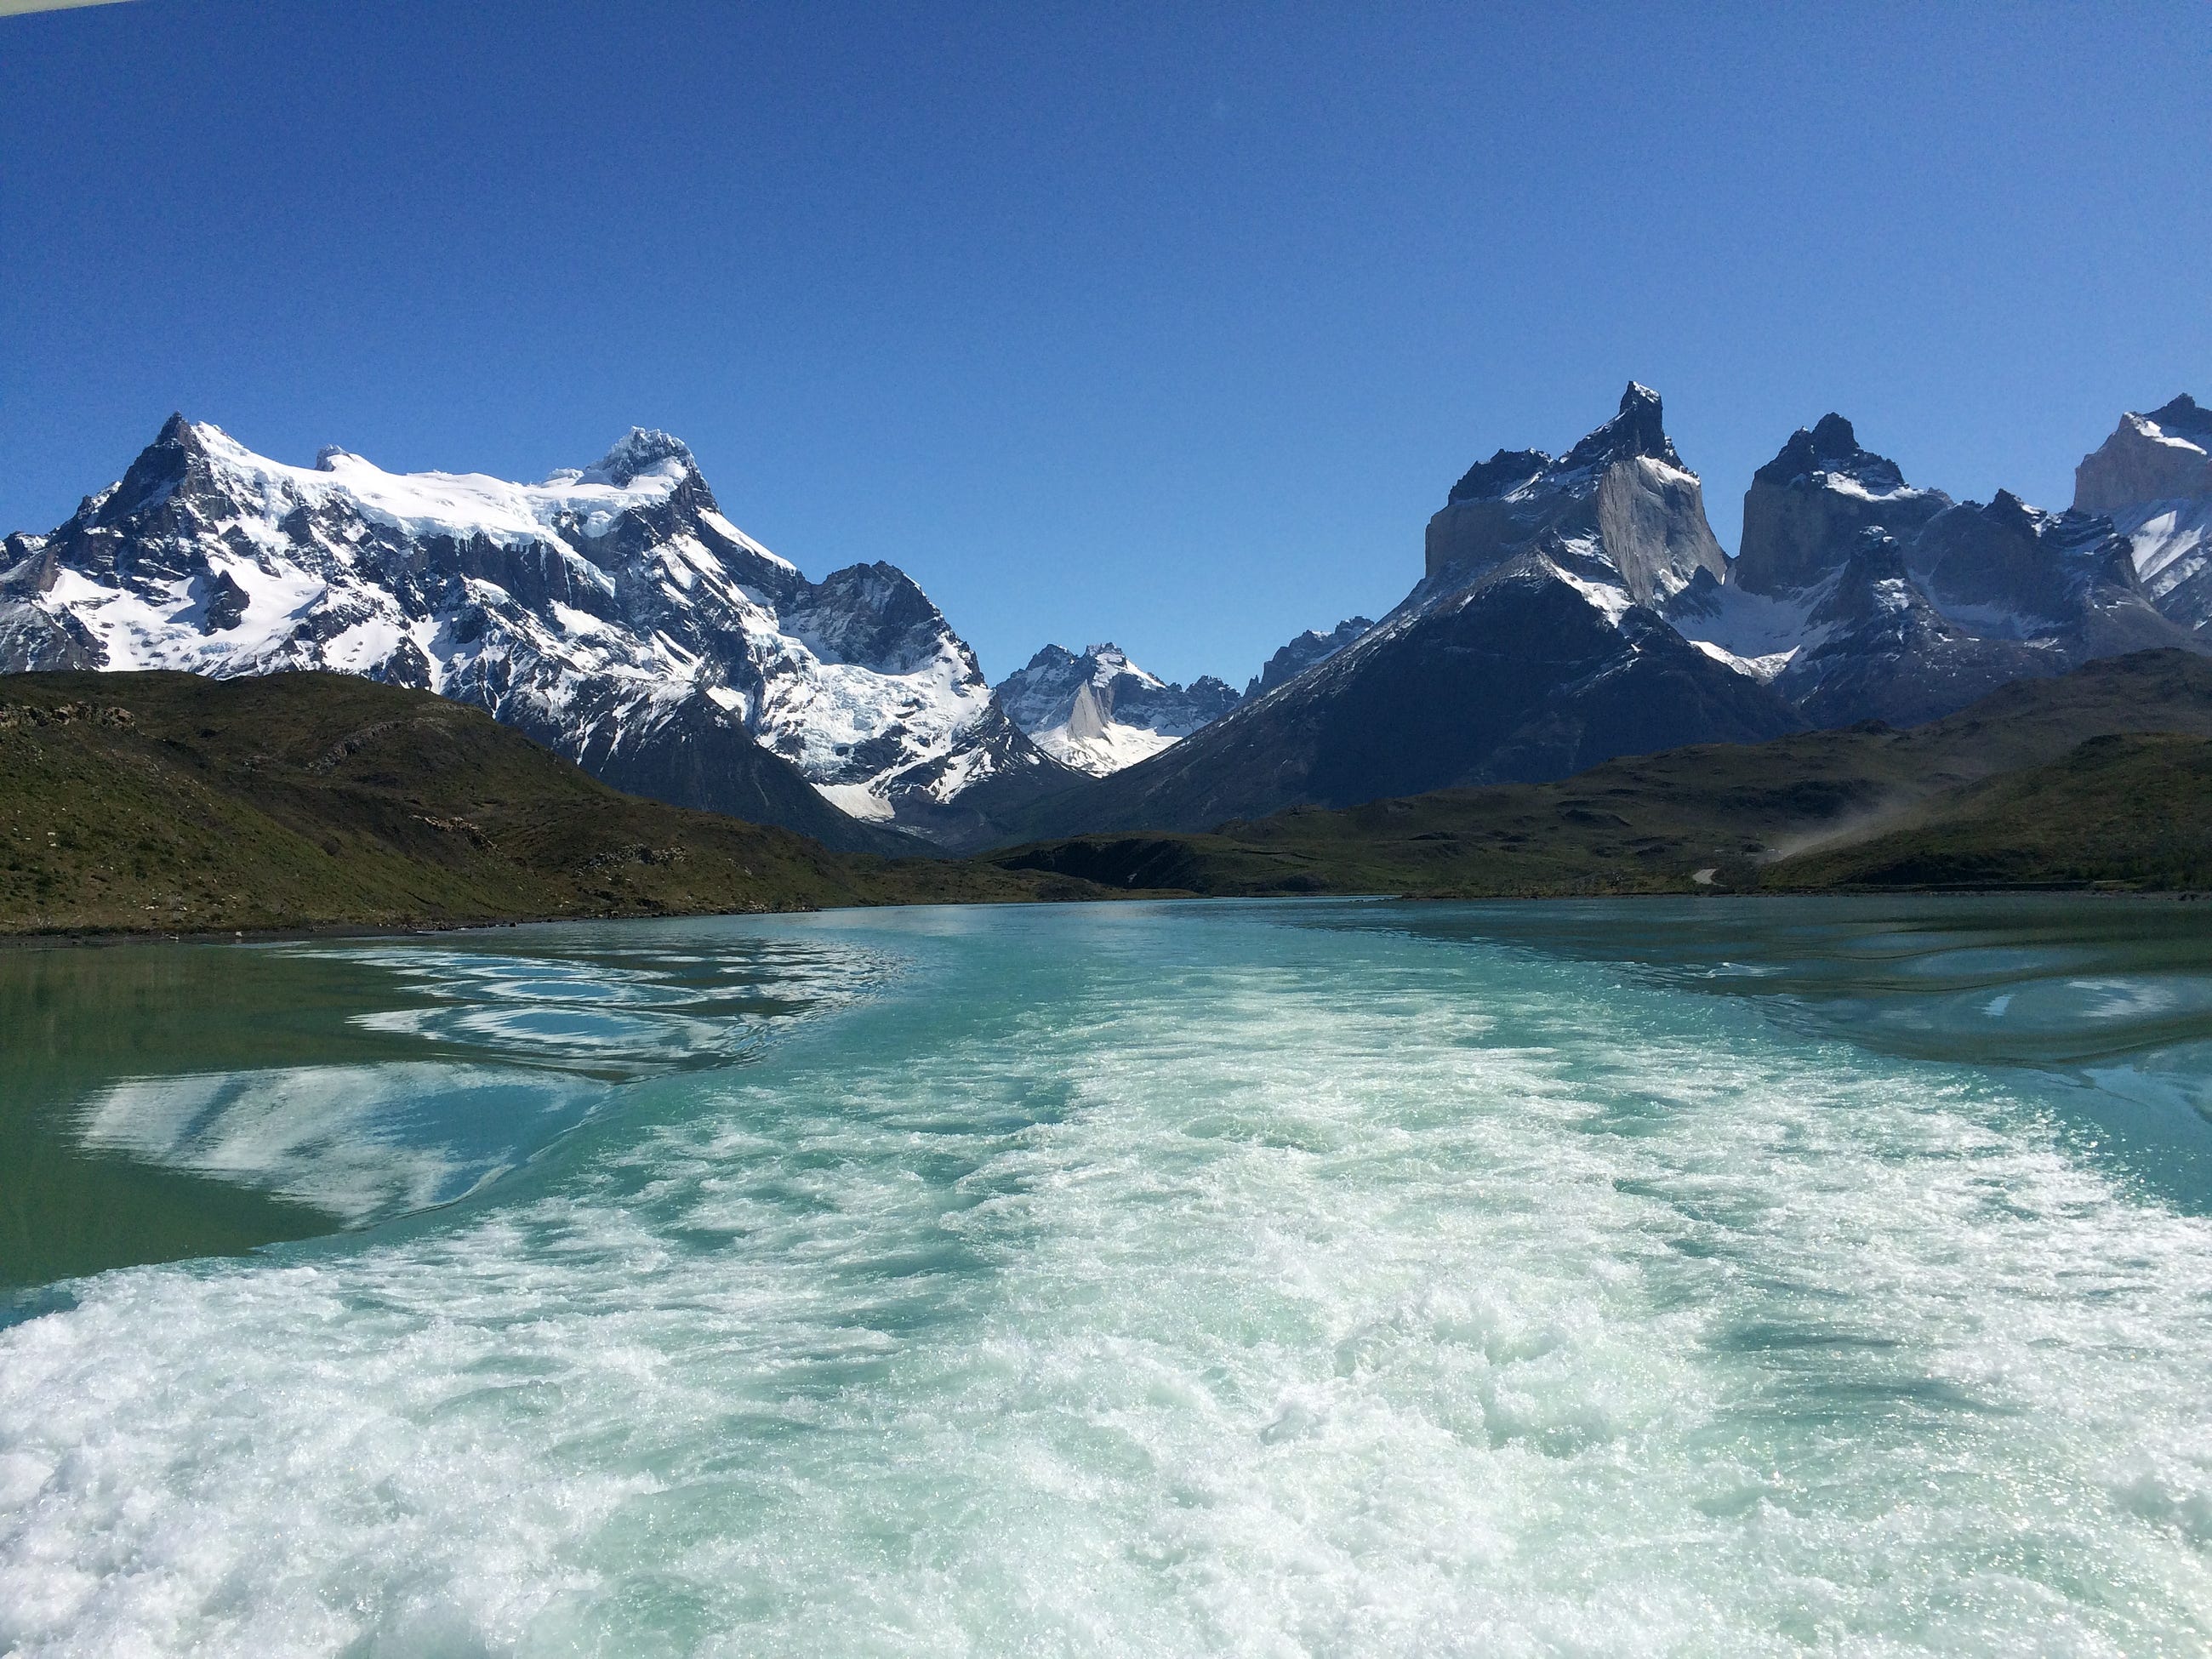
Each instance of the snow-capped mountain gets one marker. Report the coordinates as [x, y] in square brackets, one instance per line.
[613, 613]
[1099, 712]
[1576, 608]
[1315, 644]
[1529, 649]
[1860, 596]
[2152, 478]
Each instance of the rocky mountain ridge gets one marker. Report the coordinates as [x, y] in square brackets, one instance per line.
[1313, 646]
[1859, 596]
[1570, 609]
[1529, 649]
[1098, 711]
[1576, 608]
[611, 612]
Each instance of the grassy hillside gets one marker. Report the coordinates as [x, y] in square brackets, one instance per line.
[2001, 792]
[171, 802]
[2128, 811]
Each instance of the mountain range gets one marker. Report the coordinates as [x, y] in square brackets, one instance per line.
[1570, 609]
[2101, 776]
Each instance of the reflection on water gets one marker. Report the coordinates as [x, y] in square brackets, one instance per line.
[178, 1100]
[355, 1142]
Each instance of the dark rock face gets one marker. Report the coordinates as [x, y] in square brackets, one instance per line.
[225, 607]
[611, 612]
[696, 757]
[1313, 646]
[1516, 678]
[1507, 471]
[2027, 572]
[1522, 680]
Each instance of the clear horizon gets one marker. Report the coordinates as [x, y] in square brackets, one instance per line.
[1171, 331]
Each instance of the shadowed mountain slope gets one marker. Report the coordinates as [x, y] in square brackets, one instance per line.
[1754, 815]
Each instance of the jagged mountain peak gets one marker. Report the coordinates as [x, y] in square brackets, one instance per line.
[1830, 448]
[179, 451]
[2184, 418]
[1832, 435]
[1100, 711]
[1620, 507]
[1805, 507]
[1501, 475]
[1313, 646]
[1638, 429]
[639, 451]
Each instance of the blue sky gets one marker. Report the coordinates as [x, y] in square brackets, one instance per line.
[1165, 324]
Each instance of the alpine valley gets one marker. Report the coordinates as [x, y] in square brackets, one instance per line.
[1571, 610]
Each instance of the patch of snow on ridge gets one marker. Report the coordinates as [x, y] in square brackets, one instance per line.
[856, 800]
[2163, 536]
[1609, 600]
[1751, 633]
[457, 504]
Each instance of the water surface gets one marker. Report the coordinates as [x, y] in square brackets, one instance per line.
[1290, 1278]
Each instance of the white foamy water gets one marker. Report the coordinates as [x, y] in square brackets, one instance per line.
[1172, 1280]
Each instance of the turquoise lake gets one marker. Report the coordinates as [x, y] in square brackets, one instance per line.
[1332, 1278]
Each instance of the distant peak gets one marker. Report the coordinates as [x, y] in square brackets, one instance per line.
[1829, 444]
[639, 451]
[179, 451]
[2185, 418]
[1108, 649]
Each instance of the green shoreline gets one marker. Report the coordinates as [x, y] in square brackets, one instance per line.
[171, 806]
